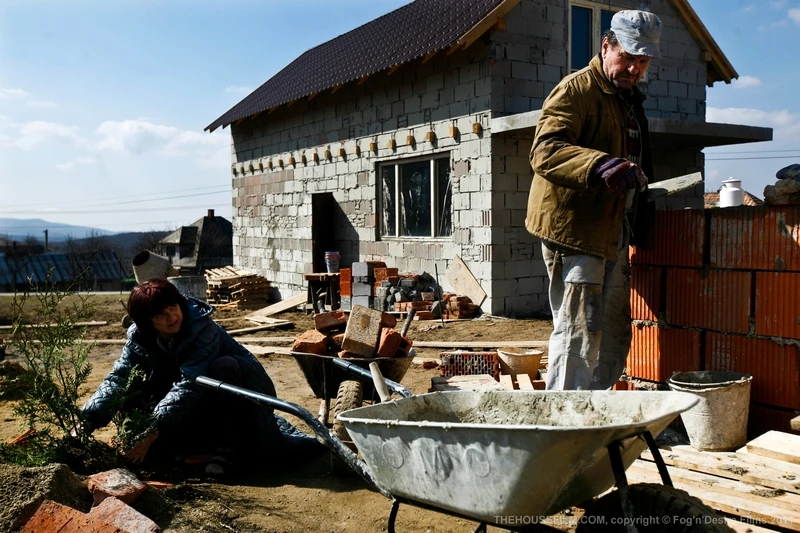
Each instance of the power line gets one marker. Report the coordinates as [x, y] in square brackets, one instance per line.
[56, 211]
[752, 158]
[226, 188]
[138, 210]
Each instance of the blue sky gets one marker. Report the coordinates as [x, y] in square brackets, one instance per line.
[103, 104]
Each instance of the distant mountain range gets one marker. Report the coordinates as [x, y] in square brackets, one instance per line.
[18, 229]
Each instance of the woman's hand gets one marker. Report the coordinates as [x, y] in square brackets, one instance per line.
[139, 450]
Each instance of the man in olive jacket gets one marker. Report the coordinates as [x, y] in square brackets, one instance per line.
[591, 163]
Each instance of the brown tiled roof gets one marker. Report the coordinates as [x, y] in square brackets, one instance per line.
[711, 199]
[405, 34]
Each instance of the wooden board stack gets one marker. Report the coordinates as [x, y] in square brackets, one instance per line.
[231, 288]
[758, 485]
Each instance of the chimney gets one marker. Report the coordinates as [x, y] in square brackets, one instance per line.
[211, 214]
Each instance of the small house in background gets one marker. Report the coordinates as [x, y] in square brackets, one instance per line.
[206, 243]
[711, 199]
[94, 271]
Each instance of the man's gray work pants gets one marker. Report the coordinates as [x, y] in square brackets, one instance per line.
[590, 301]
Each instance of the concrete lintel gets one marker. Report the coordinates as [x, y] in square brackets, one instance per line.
[665, 132]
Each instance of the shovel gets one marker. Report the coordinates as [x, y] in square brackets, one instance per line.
[661, 189]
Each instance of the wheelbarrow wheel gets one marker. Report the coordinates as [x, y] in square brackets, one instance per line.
[349, 396]
[127, 321]
[656, 509]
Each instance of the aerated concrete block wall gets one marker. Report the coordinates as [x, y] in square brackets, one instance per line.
[272, 198]
[719, 292]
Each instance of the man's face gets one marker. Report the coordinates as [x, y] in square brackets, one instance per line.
[621, 68]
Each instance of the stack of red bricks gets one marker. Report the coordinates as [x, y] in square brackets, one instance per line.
[720, 292]
[367, 333]
[113, 492]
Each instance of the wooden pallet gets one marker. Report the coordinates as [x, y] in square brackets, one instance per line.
[232, 288]
[758, 490]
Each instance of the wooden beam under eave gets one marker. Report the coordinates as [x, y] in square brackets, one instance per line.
[500, 25]
[362, 79]
[336, 88]
[427, 57]
[393, 69]
[313, 95]
[453, 49]
[474, 33]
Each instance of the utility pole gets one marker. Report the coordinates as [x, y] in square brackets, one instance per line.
[45, 241]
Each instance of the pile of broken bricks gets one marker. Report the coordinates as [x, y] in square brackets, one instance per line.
[367, 333]
[372, 284]
[113, 492]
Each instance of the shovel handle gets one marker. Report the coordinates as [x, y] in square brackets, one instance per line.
[407, 323]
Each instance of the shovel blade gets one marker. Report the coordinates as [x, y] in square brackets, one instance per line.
[660, 189]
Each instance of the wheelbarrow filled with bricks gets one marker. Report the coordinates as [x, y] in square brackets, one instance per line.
[511, 458]
[367, 336]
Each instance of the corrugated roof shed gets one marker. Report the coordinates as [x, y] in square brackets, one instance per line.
[408, 33]
[63, 267]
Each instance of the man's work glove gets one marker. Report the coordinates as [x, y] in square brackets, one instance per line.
[621, 175]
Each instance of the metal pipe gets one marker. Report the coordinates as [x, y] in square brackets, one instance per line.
[292, 408]
[407, 323]
[366, 374]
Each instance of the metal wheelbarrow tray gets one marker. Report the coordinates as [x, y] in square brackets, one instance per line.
[496, 454]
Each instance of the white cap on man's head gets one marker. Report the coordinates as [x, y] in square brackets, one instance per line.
[638, 32]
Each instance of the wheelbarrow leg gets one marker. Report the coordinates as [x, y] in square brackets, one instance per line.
[662, 467]
[393, 516]
[622, 485]
[481, 528]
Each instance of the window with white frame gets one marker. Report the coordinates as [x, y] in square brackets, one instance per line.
[415, 198]
[588, 22]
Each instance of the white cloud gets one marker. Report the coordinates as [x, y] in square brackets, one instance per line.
[238, 89]
[139, 137]
[41, 104]
[743, 82]
[794, 14]
[778, 4]
[785, 124]
[80, 161]
[13, 94]
[31, 134]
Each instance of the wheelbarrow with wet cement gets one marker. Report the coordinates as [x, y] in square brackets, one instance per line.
[511, 458]
[348, 389]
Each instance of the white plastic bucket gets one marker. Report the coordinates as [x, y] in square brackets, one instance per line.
[147, 265]
[194, 286]
[719, 420]
[515, 361]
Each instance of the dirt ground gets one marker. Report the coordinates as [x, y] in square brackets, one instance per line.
[308, 495]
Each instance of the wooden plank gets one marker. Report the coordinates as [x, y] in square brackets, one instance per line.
[481, 344]
[265, 320]
[463, 282]
[76, 324]
[740, 526]
[777, 445]
[757, 511]
[259, 328]
[524, 382]
[475, 382]
[759, 470]
[283, 305]
[267, 350]
[506, 382]
[756, 493]
[251, 340]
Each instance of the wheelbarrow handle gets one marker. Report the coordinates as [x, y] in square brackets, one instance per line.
[292, 408]
[366, 374]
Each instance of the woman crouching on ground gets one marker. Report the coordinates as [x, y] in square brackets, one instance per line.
[174, 340]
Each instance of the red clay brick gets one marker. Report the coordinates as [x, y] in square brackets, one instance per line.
[460, 363]
[775, 367]
[658, 352]
[388, 320]
[716, 299]
[646, 292]
[52, 517]
[345, 275]
[680, 236]
[389, 343]
[120, 514]
[119, 482]
[345, 288]
[311, 341]
[756, 238]
[777, 308]
[337, 340]
[325, 322]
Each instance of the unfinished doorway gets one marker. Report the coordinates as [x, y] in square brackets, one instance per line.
[323, 215]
